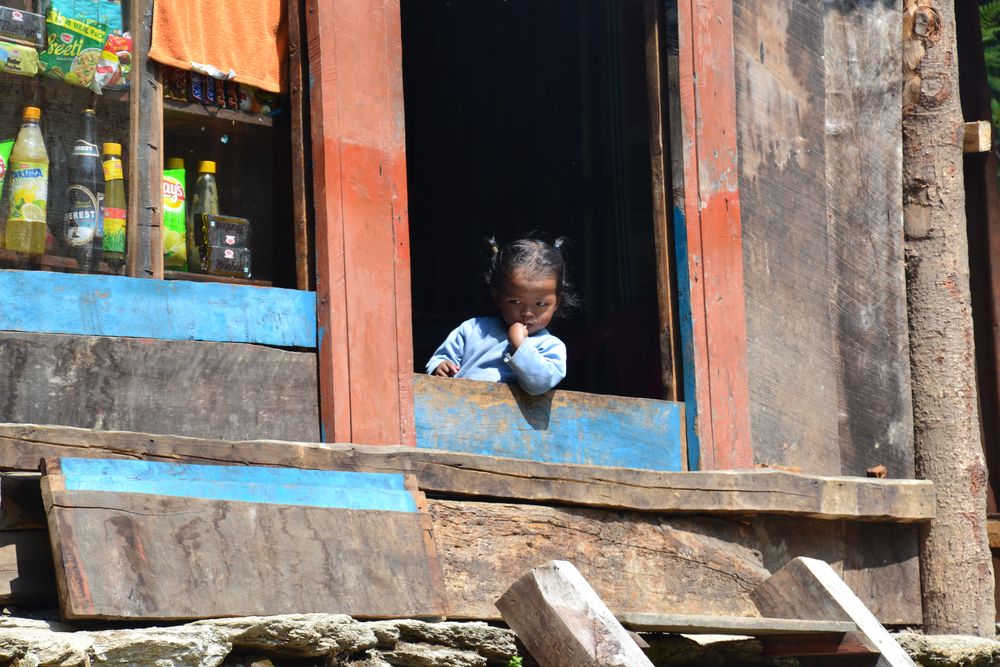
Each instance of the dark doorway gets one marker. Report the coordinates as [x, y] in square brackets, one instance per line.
[524, 115]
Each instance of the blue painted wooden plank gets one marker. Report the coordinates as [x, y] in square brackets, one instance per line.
[560, 427]
[45, 302]
[278, 486]
[687, 338]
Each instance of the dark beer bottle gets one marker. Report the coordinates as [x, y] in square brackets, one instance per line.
[80, 225]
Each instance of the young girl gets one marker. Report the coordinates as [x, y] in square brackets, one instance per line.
[528, 284]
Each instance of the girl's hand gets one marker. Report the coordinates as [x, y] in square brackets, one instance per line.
[446, 369]
[517, 334]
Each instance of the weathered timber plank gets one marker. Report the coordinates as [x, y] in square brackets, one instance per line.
[95, 305]
[864, 162]
[564, 623]
[26, 571]
[978, 137]
[219, 390]
[497, 419]
[732, 492]
[139, 556]
[780, 125]
[809, 588]
[731, 625]
[21, 502]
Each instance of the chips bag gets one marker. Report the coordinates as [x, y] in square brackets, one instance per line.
[74, 50]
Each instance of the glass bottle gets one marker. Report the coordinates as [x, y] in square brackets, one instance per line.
[80, 232]
[205, 200]
[29, 188]
[114, 206]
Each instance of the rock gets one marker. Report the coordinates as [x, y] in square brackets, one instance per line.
[38, 624]
[488, 641]
[386, 633]
[234, 660]
[368, 661]
[949, 650]
[38, 646]
[182, 646]
[423, 655]
[296, 635]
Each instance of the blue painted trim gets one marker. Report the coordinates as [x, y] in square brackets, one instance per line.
[276, 486]
[561, 427]
[91, 305]
[687, 338]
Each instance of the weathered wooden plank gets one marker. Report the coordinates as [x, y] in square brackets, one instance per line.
[297, 102]
[96, 305]
[780, 120]
[864, 161]
[734, 492]
[809, 588]
[219, 390]
[564, 623]
[141, 556]
[731, 625]
[712, 204]
[361, 224]
[978, 137]
[144, 243]
[496, 419]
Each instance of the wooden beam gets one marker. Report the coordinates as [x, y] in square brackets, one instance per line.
[298, 99]
[808, 588]
[563, 622]
[977, 137]
[690, 624]
[714, 235]
[469, 475]
[362, 237]
[993, 530]
[144, 243]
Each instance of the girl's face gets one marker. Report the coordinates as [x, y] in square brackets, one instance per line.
[531, 301]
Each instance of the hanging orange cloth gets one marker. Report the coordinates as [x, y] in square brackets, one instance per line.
[245, 40]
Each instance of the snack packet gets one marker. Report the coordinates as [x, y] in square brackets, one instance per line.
[17, 59]
[22, 28]
[5, 148]
[174, 245]
[74, 50]
[115, 65]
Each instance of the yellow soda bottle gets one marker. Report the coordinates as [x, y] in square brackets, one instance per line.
[29, 188]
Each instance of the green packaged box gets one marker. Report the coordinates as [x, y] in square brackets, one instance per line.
[174, 235]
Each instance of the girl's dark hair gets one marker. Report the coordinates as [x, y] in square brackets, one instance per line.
[534, 257]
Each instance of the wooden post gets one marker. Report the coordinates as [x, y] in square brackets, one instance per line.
[715, 241]
[956, 572]
[297, 101]
[144, 243]
[362, 236]
[564, 623]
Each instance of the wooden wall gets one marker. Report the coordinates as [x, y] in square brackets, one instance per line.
[219, 390]
[820, 143]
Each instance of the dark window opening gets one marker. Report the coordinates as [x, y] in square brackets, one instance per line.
[526, 116]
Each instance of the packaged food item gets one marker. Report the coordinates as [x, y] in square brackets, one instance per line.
[226, 261]
[175, 83]
[107, 12]
[115, 207]
[5, 147]
[174, 220]
[232, 90]
[17, 59]
[210, 88]
[227, 231]
[22, 28]
[29, 188]
[74, 49]
[115, 65]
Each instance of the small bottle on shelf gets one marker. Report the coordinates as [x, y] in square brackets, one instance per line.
[115, 208]
[80, 232]
[204, 200]
[29, 188]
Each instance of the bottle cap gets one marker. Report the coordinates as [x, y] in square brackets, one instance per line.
[89, 112]
[112, 149]
[174, 163]
[206, 167]
[32, 113]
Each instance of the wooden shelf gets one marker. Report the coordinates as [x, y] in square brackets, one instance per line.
[176, 108]
[15, 260]
[205, 278]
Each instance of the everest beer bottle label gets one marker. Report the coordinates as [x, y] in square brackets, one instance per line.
[82, 215]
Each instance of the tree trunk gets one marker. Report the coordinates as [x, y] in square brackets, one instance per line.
[956, 570]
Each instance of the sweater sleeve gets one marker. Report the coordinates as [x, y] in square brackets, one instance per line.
[451, 349]
[539, 365]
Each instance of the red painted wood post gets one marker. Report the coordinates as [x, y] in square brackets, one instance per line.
[362, 237]
[715, 241]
